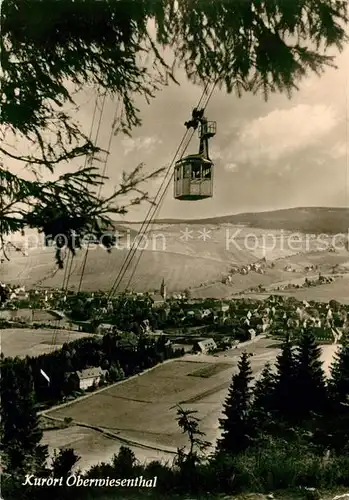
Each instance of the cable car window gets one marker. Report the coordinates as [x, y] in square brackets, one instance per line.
[186, 171]
[207, 173]
[195, 169]
[178, 173]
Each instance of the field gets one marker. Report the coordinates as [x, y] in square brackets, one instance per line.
[141, 410]
[33, 342]
[178, 254]
[180, 271]
[338, 290]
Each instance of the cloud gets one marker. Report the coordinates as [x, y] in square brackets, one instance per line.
[283, 132]
[146, 144]
[216, 154]
[339, 150]
[231, 167]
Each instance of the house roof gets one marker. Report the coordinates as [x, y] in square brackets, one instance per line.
[204, 344]
[90, 373]
[59, 314]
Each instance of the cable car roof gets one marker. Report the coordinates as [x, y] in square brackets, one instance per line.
[197, 157]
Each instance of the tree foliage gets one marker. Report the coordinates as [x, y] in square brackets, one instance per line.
[64, 462]
[310, 387]
[285, 387]
[120, 357]
[263, 397]
[114, 48]
[338, 421]
[189, 424]
[236, 424]
[20, 432]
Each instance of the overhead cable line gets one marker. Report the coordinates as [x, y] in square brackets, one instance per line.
[153, 209]
[100, 187]
[158, 207]
[67, 273]
[69, 265]
[151, 212]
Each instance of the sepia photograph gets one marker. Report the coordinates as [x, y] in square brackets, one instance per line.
[174, 250]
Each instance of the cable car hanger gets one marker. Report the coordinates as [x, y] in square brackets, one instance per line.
[193, 174]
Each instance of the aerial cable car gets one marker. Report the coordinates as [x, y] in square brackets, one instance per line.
[193, 174]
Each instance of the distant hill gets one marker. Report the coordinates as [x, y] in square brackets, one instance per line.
[302, 219]
[179, 252]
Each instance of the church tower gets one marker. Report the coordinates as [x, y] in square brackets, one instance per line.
[163, 291]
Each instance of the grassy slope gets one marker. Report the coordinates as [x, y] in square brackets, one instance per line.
[181, 263]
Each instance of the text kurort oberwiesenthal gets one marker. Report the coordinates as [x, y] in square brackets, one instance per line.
[80, 481]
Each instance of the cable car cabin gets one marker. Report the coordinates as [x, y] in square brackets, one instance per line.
[193, 178]
[193, 174]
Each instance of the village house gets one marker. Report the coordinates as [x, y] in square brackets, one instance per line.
[90, 377]
[205, 346]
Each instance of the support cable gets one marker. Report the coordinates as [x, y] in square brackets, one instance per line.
[165, 191]
[152, 211]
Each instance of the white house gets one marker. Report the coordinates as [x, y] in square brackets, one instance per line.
[207, 345]
[90, 377]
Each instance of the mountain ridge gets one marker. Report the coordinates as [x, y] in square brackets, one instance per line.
[303, 219]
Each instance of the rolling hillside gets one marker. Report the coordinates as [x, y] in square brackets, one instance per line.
[191, 254]
[180, 271]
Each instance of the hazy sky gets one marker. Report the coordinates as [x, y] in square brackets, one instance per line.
[267, 155]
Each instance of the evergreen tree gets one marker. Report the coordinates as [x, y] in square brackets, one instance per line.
[338, 423]
[236, 425]
[285, 395]
[188, 460]
[339, 381]
[263, 398]
[20, 432]
[124, 462]
[310, 377]
[63, 463]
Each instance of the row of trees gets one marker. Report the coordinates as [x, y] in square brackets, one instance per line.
[294, 398]
[121, 357]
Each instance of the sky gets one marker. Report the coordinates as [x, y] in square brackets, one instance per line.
[268, 155]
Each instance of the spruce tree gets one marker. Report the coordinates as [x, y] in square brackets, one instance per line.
[236, 425]
[339, 381]
[20, 432]
[285, 395]
[263, 398]
[310, 377]
[338, 428]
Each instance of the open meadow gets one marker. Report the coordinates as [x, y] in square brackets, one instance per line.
[180, 271]
[179, 255]
[140, 411]
[338, 290]
[34, 342]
